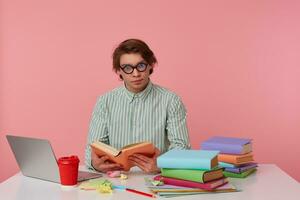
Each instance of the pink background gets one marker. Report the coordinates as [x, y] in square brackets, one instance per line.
[234, 63]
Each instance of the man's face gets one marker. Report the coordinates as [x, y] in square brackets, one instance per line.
[136, 81]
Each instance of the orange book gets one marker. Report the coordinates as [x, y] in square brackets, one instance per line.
[235, 159]
[121, 156]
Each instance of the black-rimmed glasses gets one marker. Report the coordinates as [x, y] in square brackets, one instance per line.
[128, 69]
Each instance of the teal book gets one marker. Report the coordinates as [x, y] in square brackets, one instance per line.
[195, 175]
[224, 164]
[239, 175]
[188, 159]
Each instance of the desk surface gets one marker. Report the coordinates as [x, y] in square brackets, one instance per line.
[269, 182]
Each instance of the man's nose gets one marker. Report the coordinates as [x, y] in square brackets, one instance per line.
[135, 72]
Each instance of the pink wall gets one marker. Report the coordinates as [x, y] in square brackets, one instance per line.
[234, 63]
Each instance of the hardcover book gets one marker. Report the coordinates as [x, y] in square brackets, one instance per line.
[191, 184]
[228, 145]
[241, 169]
[236, 159]
[188, 159]
[195, 175]
[121, 156]
[239, 175]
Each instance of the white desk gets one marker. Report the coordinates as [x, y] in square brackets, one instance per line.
[269, 182]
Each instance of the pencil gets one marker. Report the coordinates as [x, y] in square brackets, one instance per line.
[141, 193]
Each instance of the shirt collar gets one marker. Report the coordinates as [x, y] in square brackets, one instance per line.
[141, 95]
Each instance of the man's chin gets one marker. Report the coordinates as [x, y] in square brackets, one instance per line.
[139, 88]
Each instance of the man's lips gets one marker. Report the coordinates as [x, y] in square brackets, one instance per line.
[137, 81]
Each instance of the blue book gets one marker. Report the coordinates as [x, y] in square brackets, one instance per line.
[228, 145]
[188, 159]
[241, 168]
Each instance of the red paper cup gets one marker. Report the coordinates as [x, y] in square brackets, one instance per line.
[68, 170]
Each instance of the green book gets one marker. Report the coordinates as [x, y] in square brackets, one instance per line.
[239, 175]
[196, 175]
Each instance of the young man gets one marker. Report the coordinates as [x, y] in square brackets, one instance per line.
[138, 111]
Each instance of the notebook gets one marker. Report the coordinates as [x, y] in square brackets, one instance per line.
[36, 159]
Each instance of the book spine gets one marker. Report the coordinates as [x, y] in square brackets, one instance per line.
[227, 158]
[234, 170]
[232, 174]
[224, 164]
[181, 163]
[185, 183]
[239, 175]
[240, 169]
[183, 174]
[223, 148]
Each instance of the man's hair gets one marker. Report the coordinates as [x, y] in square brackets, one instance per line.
[133, 46]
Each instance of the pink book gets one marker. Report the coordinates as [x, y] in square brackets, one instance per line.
[191, 184]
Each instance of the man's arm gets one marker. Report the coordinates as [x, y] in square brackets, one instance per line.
[176, 125]
[97, 130]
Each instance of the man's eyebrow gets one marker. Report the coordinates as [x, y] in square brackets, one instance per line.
[142, 61]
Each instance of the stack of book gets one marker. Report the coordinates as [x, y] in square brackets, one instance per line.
[186, 172]
[235, 155]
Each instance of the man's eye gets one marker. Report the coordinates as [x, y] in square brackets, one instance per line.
[141, 65]
[127, 67]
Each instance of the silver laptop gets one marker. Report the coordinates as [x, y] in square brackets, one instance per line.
[36, 159]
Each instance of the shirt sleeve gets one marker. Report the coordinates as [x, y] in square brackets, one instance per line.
[177, 131]
[97, 130]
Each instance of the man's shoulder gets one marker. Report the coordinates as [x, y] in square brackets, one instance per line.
[114, 93]
[169, 97]
[164, 92]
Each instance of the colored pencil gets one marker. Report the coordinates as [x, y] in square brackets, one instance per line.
[141, 193]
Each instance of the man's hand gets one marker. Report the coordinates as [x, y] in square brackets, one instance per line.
[145, 163]
[102, 164]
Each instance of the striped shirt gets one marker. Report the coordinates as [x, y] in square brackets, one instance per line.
[121, 117]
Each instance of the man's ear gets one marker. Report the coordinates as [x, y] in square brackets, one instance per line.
[120, 75]
[150, 69]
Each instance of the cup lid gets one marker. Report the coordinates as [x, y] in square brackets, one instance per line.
[68, 159]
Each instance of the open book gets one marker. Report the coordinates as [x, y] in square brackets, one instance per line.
[121, 156]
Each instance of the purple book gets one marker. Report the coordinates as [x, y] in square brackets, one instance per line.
[228, 145]
[241, 169]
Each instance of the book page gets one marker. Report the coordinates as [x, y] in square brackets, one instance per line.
[106, 148]
[146, 148]
[247, 148]
[134, 145]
